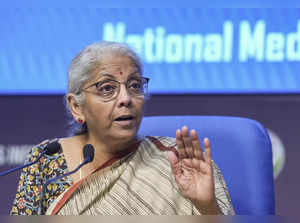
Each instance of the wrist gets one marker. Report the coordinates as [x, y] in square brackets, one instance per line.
[210, 208]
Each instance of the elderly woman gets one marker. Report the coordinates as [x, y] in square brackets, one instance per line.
[130, 174]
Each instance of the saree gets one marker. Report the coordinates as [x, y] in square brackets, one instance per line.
[140, 183]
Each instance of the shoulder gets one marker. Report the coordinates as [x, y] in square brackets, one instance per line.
[37, 150]
[34, 176]
[41, 160]
[163, 143]
[160, 144]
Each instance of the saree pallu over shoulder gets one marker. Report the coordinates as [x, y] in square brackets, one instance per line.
[141, 183]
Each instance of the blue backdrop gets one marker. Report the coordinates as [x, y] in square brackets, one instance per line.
[184, 50]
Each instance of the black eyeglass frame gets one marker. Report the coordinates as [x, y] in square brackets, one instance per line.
[145, 80]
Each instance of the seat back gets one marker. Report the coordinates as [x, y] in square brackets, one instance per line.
[242, 150]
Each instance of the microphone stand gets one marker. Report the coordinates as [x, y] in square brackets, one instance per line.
[41, 212]
[88, 154]
[23, 166]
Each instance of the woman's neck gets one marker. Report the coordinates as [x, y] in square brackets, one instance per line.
[108, 150]
[104, 154]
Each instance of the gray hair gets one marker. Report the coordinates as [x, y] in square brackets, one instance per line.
[82, 66]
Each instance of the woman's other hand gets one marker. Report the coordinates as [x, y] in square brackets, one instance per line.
[193, 171]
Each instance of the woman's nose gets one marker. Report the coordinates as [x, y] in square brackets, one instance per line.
[124, 97]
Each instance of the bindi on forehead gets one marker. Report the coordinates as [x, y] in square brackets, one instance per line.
[121, 73]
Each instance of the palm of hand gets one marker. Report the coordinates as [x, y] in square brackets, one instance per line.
[192, 170]
[194, 179]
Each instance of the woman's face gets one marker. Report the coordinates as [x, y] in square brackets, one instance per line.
[118, 120]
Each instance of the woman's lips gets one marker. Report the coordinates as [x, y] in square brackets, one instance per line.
[125, 122]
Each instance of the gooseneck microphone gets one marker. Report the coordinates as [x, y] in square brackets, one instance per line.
[88, 154]
[50, 149]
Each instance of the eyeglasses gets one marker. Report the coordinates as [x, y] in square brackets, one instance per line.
[109, 89]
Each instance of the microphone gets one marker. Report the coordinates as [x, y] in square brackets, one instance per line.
[50, 149]
[88, 154]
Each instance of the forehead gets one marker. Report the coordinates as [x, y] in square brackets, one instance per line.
[116, 66]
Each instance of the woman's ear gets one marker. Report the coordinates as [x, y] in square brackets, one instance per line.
[75, 108]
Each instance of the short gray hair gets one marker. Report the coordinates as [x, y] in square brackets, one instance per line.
[82, 66]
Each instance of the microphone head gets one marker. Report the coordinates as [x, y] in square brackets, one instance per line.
[88, 153]
[53, 148]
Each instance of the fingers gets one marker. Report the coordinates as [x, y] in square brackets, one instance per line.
[189, 145]
[207, 150]
[196, 145]
[172, 158]
[181, 148]
[187, 142]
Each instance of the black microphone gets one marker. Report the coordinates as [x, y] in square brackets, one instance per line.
[50, 149]
[88, 154]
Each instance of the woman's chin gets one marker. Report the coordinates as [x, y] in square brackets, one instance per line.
[125, 135]
[123, 141]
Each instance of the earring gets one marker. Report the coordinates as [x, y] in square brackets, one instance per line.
[80, 120]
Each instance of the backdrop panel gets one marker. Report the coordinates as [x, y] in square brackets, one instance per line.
[184, 50]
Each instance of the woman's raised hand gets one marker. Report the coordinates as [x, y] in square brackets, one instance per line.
[193, 170]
